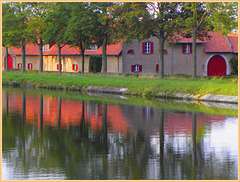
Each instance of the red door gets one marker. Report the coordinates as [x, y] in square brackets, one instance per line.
[216, 66]
[10, 62]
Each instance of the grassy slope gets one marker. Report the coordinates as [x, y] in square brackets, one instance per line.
[142, 85]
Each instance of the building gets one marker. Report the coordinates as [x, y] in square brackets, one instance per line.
[213, 56]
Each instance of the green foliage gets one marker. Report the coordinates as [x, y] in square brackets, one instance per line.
[234, 64]
[95, 64]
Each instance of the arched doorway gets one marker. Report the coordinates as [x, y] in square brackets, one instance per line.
[10, 62]
[216, 66]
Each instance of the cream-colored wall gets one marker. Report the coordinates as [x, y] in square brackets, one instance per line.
[50, 63]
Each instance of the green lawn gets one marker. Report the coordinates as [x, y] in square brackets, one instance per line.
[140, 85]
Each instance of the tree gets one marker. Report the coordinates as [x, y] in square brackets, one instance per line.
[157, 19]
[57, 22]
[8, 25]
[80, 27]
[202, 17]
[105, 28]
[19, 30]
[39, 11]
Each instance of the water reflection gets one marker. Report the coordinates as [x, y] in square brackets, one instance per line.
[47, 137]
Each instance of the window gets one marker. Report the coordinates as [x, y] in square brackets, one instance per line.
[46, 47]
[147, 47]
[58, 66]
[157, 67]
[130, 51]
[19, 65]
[136, 68]
[165, 52]
[30, 66]
[187, 48]
[74, 67]
[92, 48]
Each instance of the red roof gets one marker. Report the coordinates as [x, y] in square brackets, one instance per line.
[181, 39]
[217, 43]
[31, 49]
[233, 38]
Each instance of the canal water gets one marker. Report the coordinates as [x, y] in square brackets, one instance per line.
[53, 135]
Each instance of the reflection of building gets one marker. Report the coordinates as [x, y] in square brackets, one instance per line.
[120, 118]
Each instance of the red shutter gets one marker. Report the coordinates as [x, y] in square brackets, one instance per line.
[132, 68]
[151, 47]
[183, 48]
[76, 67]
[157, 68]
[18, 65]
[143, 47]
[28, 65]
[140, 68]
[72, 66]
[61, 66]
[190, 48]
[57, 66]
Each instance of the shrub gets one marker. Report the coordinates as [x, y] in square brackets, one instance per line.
[95, 64]
[234, 64]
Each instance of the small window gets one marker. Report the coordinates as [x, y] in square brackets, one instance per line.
[30, 66]
[136, 68]
[46, 47]
[58, 67]
[147, 47]
[187, 48]
[92, 48]
[165, 52]
[19, 65]
[74, 67]
[130, 51]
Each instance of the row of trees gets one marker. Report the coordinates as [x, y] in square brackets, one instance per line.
[82, 24]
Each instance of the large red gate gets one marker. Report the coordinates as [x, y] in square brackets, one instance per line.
[216, 66]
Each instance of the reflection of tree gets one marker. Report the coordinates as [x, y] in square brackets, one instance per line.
[41, 111]
[83, 153]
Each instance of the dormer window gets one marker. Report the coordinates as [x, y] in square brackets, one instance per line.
[92, 48]
[46, 47]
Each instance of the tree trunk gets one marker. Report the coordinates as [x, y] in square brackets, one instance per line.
[6, 59]
[161, 58]
[194, 52]
[59, 59]
[41, 56]
[83, 61]
[104, 55]
[23, 46]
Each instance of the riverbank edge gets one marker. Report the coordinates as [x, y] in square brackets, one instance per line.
[124, 91]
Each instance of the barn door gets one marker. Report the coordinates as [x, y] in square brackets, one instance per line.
[216, 66]
[10, 62]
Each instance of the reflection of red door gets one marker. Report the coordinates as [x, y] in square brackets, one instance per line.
[216, 66]
[10, 62]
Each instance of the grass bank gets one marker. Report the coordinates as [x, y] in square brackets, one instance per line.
[138, 85]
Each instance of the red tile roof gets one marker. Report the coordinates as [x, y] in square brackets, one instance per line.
[233, 38]
[31, 49]
[181, 39]
[217, 43]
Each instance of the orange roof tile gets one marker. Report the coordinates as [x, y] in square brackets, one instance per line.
[114, 49]
[217, 43]
[233, 38]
